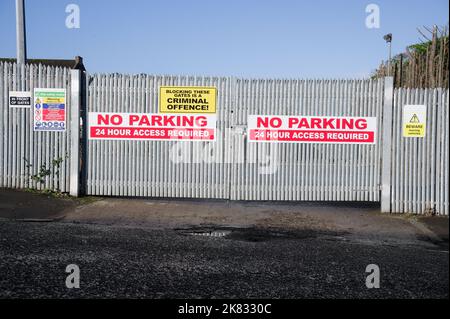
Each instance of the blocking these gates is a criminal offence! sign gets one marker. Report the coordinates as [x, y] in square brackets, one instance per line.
[312, 129]
[187, 99]
[159, 127]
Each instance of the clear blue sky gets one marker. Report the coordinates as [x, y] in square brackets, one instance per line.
[248, 38]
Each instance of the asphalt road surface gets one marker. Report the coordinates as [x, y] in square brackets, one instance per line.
[250, 262]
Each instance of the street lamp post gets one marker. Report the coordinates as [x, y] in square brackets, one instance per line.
[20, 32]
[388, 39]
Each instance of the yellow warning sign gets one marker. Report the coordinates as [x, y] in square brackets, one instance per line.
[187, 99]
[414, 120]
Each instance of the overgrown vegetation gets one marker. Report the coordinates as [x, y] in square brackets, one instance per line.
[44, 172]
[422, 65]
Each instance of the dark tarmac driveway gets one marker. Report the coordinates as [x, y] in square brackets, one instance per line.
[205, 249]
[248, 263]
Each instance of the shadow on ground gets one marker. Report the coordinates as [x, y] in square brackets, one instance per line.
[33, 206]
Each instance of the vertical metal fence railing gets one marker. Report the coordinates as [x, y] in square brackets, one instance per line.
[301, 171]
[308, 172]
[23, 152]
[230, 167]
[420, 176]
[157, 168]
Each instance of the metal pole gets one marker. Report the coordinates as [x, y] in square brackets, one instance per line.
[388, 39]
[387, 145]
[20, 32]
[390, 57]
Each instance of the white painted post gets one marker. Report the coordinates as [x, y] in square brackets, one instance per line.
[387, 145]
[75, 106]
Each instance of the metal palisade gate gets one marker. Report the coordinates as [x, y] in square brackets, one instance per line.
[230, 167]
[32, 159]
[311, 172]
[158, 168]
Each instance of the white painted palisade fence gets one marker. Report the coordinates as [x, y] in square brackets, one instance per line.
[408, 175]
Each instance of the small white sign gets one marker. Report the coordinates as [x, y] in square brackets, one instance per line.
[19, 98]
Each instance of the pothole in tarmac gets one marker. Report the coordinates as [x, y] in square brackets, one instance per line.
[253, 234]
